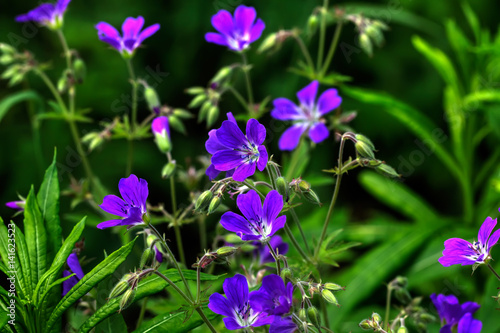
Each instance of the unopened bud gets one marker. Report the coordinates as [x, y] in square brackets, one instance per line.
[312, 24]
[202, 114]
[302, 314]
[6, 48]
[168, 170]
[214, 204]
[387, 170]
[366, 44]
[127, 299]
[183, 114]
[365, 324]
[195, 90]
[226, 251]
[195, 102]
[79, 70]
[152, 99]
[286, 274]
[6, 59]
[364, 150]
[177, 124]
[147, 257]
[375, 34]
[402, 295]
[314, 318]
[402, 281]
[63, 82]
[402, 330]
[329, 297]
[304, 186]
[312, 197]
[267, 43]
[427, 318]
[283, 187]
[333, 286]
[213, 115]
[376, 317]
[203, 200]
[222, 74]
[120, 287]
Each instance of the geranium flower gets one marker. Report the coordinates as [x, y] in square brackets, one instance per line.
[265, 255]
[258, 223]
[283, 325]
[47, 14]
[273, 297]
[132, 34]
[161, 131]
[453, 314]
[234, 152]
[132, 207]
[460, 251]
[235, 306]
[306, 117]
[74, 266]
[237, 33]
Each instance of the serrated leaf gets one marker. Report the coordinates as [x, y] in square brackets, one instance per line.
[148, 286]
[36, 238]
[48, 200]
[96, 275]
[417, 122]
[174, 322]
[398, 196]
[8, 102]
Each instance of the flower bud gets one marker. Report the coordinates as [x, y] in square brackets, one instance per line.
[364, 150]
[213, 115]
[152, 99]
[402, 295]
[387, 170]
[196, 102]
[366, 44]
[127, 299]
[365, 324]
[79, 70]
[214, 204]
[183, 114]
[402, 330]
[286, 274]
[333, 286]
[427, 318]
[304, 186]
[329, 297]
[202, 114]
[312, 24]
[63, 82]
[195, 90]
[302, 314]
[376, 317]
[203, 200]
[6, 59]
[226, 251]
[283, 187]
[93, 139]
[168, 170]
[375, 34]
[7, 49]
[161, 131]
[312, 197]
[147, 257]
[222, 74]
[120, 287]
[267, 43]
[314, 318]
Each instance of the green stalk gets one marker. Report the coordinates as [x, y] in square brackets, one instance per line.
[322, 32]
[205, 319]
[387, 306]
[133, 123]
[248, 82]
[334, 200]
[333, 47]
[238, 96]
[175, 221]
[295, 219]
[305, 53]
[275, 257]
[141, 314]
[493, 271]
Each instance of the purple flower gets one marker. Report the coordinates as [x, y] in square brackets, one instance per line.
[460, 251]
[234, 152]
[161, 131]
[17, 205]
[273, 297]
[235, 306]
[132, 207]
[450, 311]
[258, 223]
[237, 33]
[283, 325]
[74, 266]
[265, 255]
[306, 117]
[132, 34]
[47, 14]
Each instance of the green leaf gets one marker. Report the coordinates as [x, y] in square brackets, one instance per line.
[440, 61]
[12, 262]
[174, 322]
[481, 96]
[460, 44]
[456, 119]
[417, 122]
[23, 267]
[8, 102]
[113, 324]
[148, 286]
[3, 318]
[48, 199]
[473, 21]
[398, 196]
[96, 275]
[36, 238]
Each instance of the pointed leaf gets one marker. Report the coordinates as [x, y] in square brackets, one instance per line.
[8, 102]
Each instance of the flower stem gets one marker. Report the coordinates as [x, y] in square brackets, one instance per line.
[133, 120]
[493, 271]
[333, 47]
[205, 319]
[248, 82]
[238, 96]
[387, 306]
[175, 221]
[275, 256]
[67, 52]
[141, 314]
[183, 295]
[334, 199]
[322, 32]
[305, 52]
[295, 219]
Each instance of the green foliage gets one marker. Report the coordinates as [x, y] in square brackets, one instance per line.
[174, 322]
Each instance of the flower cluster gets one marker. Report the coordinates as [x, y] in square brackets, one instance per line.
[267, 306]
[456, 314]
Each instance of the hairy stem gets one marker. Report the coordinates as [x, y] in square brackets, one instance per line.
[333, 47]
[248, 82]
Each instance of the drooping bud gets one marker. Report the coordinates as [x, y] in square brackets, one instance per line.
[402, 295]
[183, 114]
[364, 146]
[267, 43]
[147, 258]
[6, 59]
[168, 170]
[195, 102]
[365, 324]
[127, 299]
[177, 124]
[333, 286]
[63, 82]
[222, 74]
[214, 204]
[302, 314]
[427, 318]
[195, 90]
[213, 115]
[79, 70]
[283, 187]
[226, 251]
[312, 24]
[161, 132]
[152, 99]
[203, 200]
[121, 286]
[366, 44]
[376, 317]
[312, 197]
[402, 330]
[314, 318]
[304, 186]
[387, 170]
[329, 297]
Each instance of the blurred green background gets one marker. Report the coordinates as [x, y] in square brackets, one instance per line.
[180, 50]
